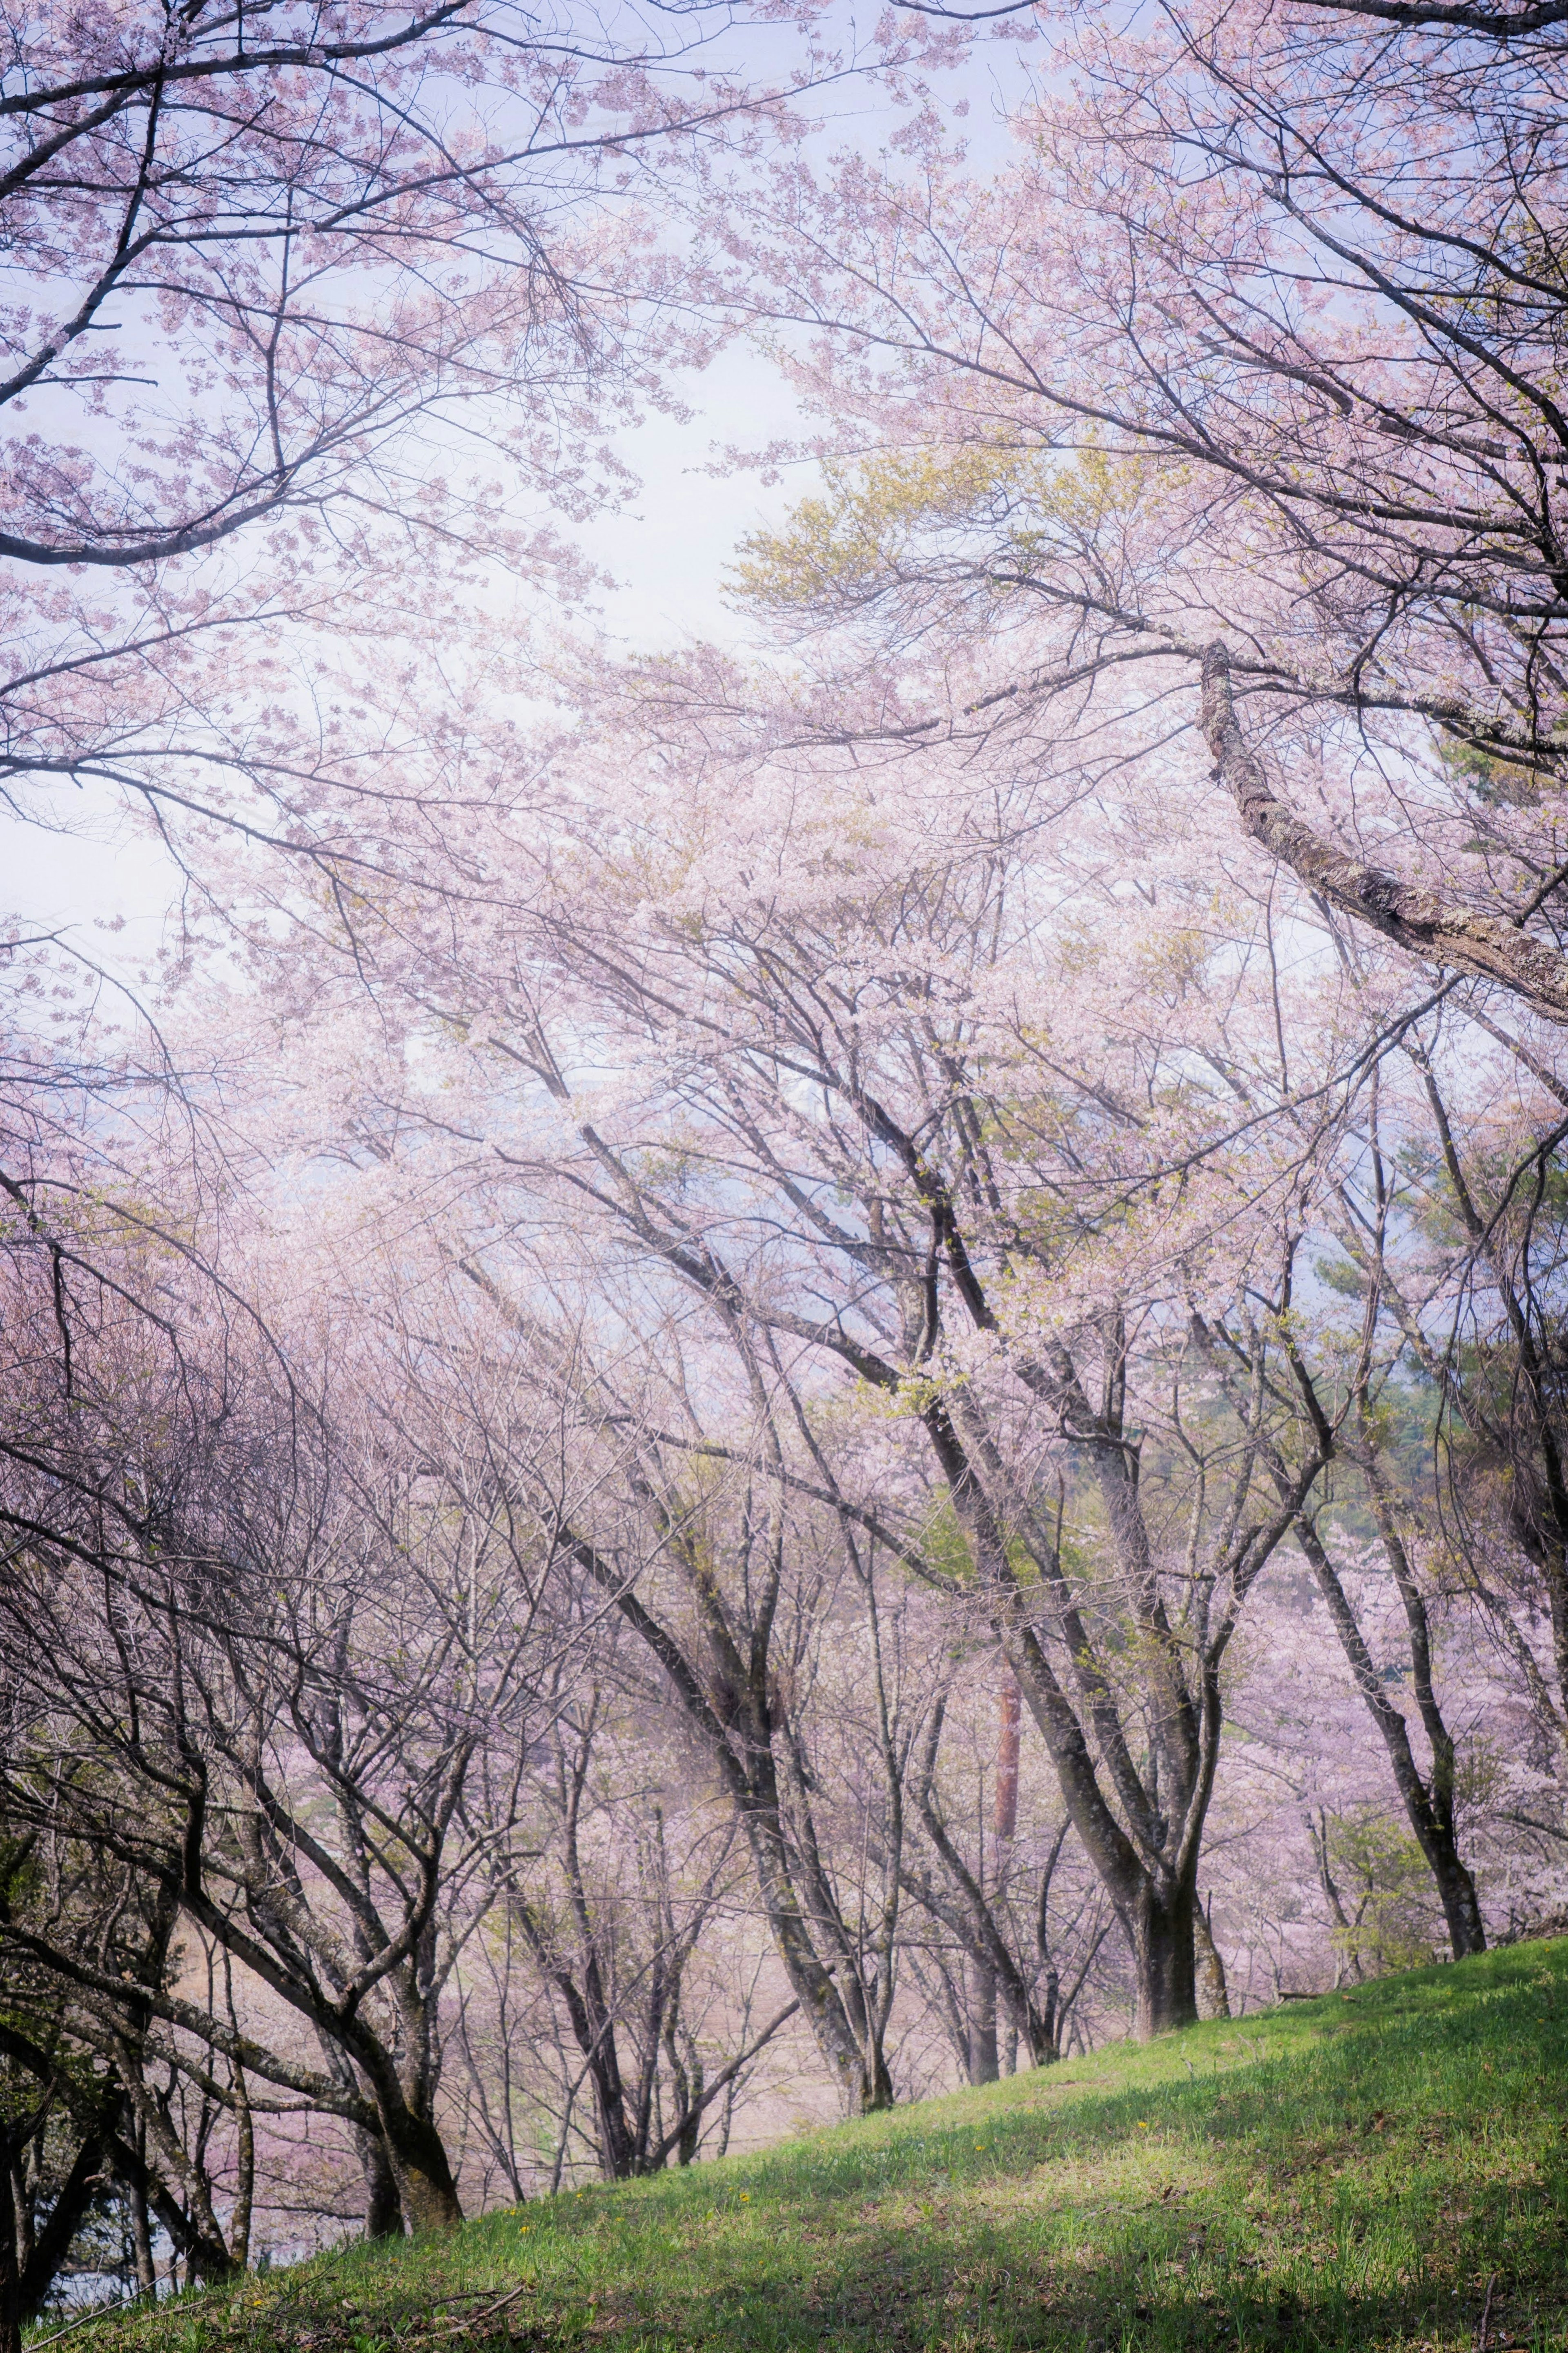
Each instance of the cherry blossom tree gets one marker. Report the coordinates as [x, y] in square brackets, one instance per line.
[1009, 1971]
[621, 1965]
[1238, 383]
[255, 1653]
[724, 1585]
[317, 321]
[866, 1333]
[861, 1104]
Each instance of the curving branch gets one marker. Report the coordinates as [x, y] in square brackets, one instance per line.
[1497, 23]
[1488, 945]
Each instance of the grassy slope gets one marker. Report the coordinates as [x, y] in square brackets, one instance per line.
[1341, 2172]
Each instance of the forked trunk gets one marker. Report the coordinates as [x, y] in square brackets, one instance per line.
[1214, 1994]
[1164, 1962]
[1158, 1927]
[1428, 1801]
[426, 2190]
[864, 2082]
[875, 2087]
[1462, 1911]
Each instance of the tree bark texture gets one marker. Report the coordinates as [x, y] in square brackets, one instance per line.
[1427, 1808]
[1414, 918]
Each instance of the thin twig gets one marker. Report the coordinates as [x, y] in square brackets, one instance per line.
[1486, 2316]
[491, 2312]
[99, 2312]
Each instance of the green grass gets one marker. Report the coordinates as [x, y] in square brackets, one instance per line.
[1338, 2173]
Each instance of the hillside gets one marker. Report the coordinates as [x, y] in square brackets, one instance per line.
[1384, 2168]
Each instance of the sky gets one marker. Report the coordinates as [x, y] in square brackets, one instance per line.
[107, 885]
[667, 551]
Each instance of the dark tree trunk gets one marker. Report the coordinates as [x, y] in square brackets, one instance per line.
[620, 2156]
[383, 2207]
[1163, 1939]
[1158, 1926]
[10, 2270]
[51, 2245]
[862, 2077]
[746, 1731]
[141, 2241]
[985, 2062]
[687, 2084]
[1428, 1803]
[1046, 2038]
[1456, 1891]
[426, 2193]
[1407, 912]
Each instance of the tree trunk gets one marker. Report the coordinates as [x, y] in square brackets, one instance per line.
[865, 2083]
[1427, 1808]
[426, 2190]
[1166, 1962]
[1005, 1811]
[875, 2089]
[861, 2074]
[10, 2270]
[619, 2155]
[1159, 1931]
[1214, 1994]
[245, 2187]
[1457, 1890]
[141, 2241]
[687, 2084]
[383, 2207]
[984, 2058]
[41, 2255]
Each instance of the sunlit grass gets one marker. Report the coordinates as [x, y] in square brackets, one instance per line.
[1340, 2173]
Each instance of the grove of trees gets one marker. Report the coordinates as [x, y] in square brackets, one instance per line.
[760, 1377]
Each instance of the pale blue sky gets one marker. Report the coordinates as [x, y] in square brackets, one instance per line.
[666, 549]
